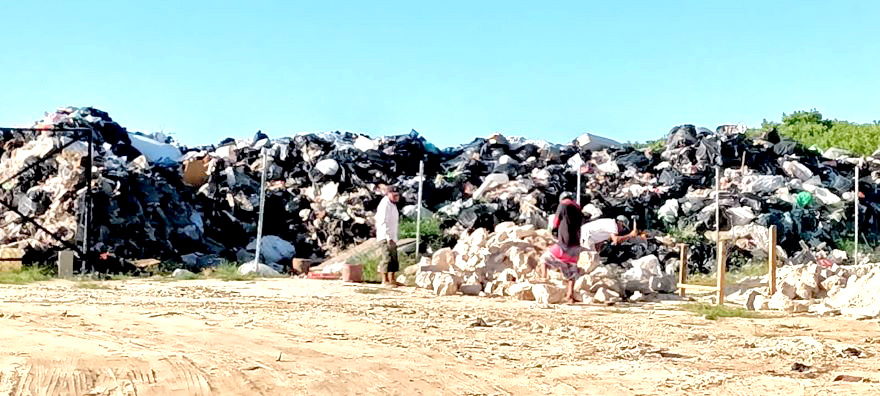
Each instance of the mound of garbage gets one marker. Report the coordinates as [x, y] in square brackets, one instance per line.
[200, 207]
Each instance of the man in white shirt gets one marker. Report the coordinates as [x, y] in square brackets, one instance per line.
[387, 219]
[596, 232]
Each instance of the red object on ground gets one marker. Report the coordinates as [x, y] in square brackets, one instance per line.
[319, 275]
[825, 263]
[352, 273]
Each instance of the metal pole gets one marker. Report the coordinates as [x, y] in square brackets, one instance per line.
[717, 203]
[578, 172]
[856, 200]
[262, 209]
[419, 210]
[87, 217]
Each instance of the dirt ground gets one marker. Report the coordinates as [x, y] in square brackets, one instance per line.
[312, 337]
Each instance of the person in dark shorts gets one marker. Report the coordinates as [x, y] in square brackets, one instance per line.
[563, 255]
[387, 219]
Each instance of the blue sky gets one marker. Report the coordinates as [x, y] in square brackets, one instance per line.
[451, 70]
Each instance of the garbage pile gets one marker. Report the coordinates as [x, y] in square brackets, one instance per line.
[197, 206]
[503, 263]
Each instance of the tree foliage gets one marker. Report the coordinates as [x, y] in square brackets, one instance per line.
[809, 128]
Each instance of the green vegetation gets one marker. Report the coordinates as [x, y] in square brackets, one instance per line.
[369, 262]
[370, 290]
[748, 270]
[25, 275]
[92, 285]
[809, 128]
[432, 233]
[228, 271]
[713, 312]
[653, 145]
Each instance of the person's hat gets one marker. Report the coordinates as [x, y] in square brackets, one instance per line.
[623, 219]
[566, 195]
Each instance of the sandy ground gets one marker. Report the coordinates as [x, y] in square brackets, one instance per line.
[310, 337]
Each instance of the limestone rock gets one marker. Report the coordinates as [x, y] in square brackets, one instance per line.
[446, 284]
[637, 297]
[471, 289]
[548, 294]
[521, 291]
[662, 284]
[181, 273]
[751, 297]
[605, 296]
[425, 280]
[443, 259]
[411, 270]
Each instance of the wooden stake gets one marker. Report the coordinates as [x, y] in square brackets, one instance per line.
[682, 268]
[721, 271]
[772, 259]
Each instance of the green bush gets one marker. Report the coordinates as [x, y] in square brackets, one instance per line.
[809, 129]
[25, 275]
[432, 233]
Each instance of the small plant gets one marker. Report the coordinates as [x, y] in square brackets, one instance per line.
[228, 271]
[369, 262]
[713, 312]
[25, 275]
[370, 290]
[92, 286]
[431, 230]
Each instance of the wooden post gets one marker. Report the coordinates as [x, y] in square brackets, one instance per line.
[65, 264]
[682, 268]
[721, 271]
[771, 253]
[856, 237]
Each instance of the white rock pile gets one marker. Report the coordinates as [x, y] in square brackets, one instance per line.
[503, 263]
[835, 290]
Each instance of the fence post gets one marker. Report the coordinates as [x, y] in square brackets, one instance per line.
[856, 199]
[771, 254]
[419, 211]
[682, 268]
[721, 271]
[262, 209]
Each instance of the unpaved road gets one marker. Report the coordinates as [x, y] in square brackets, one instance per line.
[309, 337]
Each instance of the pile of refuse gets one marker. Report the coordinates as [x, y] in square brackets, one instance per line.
[199, 206]
[504, 262]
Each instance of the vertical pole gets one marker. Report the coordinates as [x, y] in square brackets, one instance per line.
[771, 273]
[87, 199]
[682, 268]
[262, 209]
[856, 199]
[578, 173]
[419, 211]
[721, 270]
[718, 203]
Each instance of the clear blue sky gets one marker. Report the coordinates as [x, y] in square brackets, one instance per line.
[205, 70]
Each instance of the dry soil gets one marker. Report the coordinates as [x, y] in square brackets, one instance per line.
[311, 337]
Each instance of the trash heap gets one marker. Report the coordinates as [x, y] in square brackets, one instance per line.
[198, 206]
[503, 263]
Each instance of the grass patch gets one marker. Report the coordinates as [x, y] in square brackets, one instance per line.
[432, 233]
[369, 262]
[713, 312]
[24, 276]
[228, 272]
[370, 290]
[746, 271]
[92, 286]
